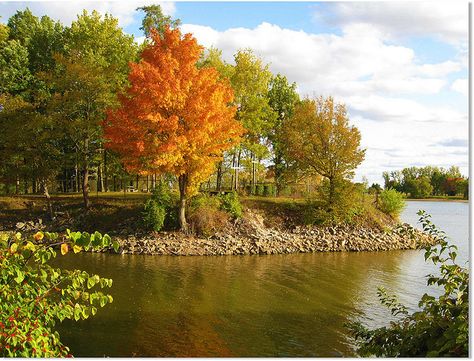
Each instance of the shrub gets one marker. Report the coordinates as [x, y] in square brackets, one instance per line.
[161, 209]
[269, 190]
[209, 214]
[259, 189]
[440, 328]
[154, 215]
[207, 220]
[230, 203]
[34, 295]
[347, 204]
[205, 200]
[391, 202]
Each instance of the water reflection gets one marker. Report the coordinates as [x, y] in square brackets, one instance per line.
[279, 305]
[229, 306]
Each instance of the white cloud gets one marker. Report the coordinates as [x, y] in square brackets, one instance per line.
[461, 86]
[448, 21]
[358, 61]
[67, 10]
[378, 80]
[441, 69]
[140, 39]
[402, 111]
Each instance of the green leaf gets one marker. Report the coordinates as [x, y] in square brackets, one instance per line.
[106, 240]
[116, 246]
[90, 282]
[20, 276]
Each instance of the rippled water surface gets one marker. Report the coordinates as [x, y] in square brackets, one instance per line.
[276, 305]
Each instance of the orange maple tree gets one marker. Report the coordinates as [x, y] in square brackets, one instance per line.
[174, 117]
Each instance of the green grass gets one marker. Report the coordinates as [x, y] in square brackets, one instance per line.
[440, 198]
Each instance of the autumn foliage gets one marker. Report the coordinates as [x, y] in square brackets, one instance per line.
[174, 117]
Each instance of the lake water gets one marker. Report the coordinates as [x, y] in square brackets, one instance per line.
[275, 305]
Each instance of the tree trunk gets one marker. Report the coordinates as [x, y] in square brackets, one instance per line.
[137, 181]
[106, 178]
[332, 189]
[219, 176]
[66, 181]
[182, 180]
[99, 179]
[85, 179]
[278, 172]
[232, 182]
[76, 168]
[17, 185]
[44, 185]
[237, 171]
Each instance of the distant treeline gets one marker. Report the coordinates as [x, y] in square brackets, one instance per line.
[428, 181]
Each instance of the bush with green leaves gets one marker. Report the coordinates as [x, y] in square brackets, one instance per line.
[391, 202]
[441, 326]
[154, 215]
[161, 209]
[346, 204]
[34, 295]
[230, 203]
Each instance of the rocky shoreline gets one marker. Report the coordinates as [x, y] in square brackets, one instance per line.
[330, 239]
[250, 236]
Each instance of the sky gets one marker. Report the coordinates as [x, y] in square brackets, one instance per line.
[401, 68]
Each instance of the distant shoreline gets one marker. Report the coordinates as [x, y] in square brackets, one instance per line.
[437, 200]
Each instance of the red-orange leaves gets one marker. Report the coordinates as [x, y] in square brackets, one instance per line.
[174, 117]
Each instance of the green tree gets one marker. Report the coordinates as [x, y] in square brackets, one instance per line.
[463, 188]
[15, 75]
[282, 98]
[31, 152]
[4, 31]
[46, 40]
[319, 139]
[212, 58]
[438, 177]
[22, 25]
[419, 187]
[250, 81]
[155, 19]
[85, 82]
[78, 106]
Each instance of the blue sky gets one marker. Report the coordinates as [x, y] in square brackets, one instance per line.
[400, 67]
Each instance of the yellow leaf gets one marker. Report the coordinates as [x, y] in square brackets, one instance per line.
[30, 246]
[18, 235]
[64, 248]
[76, 248]
[38, 236]
[13, 248]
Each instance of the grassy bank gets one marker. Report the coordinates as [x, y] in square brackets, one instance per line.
[113, 212]
[440, 199]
